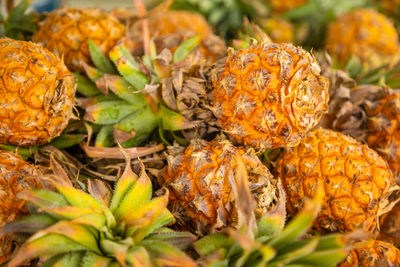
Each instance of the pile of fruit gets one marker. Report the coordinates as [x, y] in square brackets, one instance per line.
[201, 133]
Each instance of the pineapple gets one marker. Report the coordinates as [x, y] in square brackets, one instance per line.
[66, 33]
[203, 191]
[272, 245]
[37, 94]
[169, 28]
[269, 95]
[16, 176]
[372, 253]
[285, 5]
[355, 180]
[364, 33]
[75, 228]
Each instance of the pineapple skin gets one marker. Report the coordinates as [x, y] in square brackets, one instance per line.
[201, 195]
[383, 126]
[365, 33]
[37, 94]
[16, 176]
[171, 27]
[372, 253]
[278, 29]
[66, 33]
[356, 181]
[269, 95]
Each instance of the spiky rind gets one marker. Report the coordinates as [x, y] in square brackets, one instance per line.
[37, 94]
[269, 95]
[356, 181]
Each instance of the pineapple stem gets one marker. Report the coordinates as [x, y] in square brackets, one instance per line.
[141, 9]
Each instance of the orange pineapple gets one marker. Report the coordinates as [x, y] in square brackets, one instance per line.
[36, 94]
[16, 175]
[285, 5]
[66, 33]
[278, 29]
[170, 28]
[372, 253]
[356, 181]
[365, 33]
[200, 178]
[269, 95]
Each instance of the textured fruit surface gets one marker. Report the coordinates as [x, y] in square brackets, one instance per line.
[66, 33]
[16, 175]
[200, 183]
[383, 128]
[278, 29]
[36, 94]
[356, 181]
[285, 5]
[269, 95]
[372, 253]
[170, 28]
[364, 33]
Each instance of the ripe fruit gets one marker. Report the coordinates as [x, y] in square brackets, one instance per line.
[365, 33]
[285, 5]
[36, 94]
[269, 95]
[202, 195]
[356, 181]
[383, 127]
[66, 33]
[372, 253]
[16, 175]
[127, 229]
[170, 28]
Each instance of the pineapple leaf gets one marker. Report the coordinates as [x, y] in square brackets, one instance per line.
[99, 59]
[69, 259]
[181, 240]
[138, 256]
[108, 112]
[91, 259]
[75, 232]
[124, 184]
[122, 89]
[186, 48]
[135, 198]
[173, 121]
[211, 243]
[43, 198]
[332, 241]
[28, 224]
[46, 245]
[164, 254]
[105, 137]
[147, 213]
[295, 251]
[92, 73]
[141, 121]
[67, 140]
[85, 86]
[128, 67]
[323, 258]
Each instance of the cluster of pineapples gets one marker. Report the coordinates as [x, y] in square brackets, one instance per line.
[259, 154]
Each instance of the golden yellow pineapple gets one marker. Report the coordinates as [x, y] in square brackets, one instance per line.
[278, 29]
[269, 95]
[66, 33]
[36, 94]
[356, 181]
[201, 181]
[365, 33]
[285, 5]
[169, 28]
[16, 175]
[383, 128]
[372, 252]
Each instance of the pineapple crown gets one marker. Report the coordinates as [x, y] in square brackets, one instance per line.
[73, 228]
[122, 93]
[273, 244]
